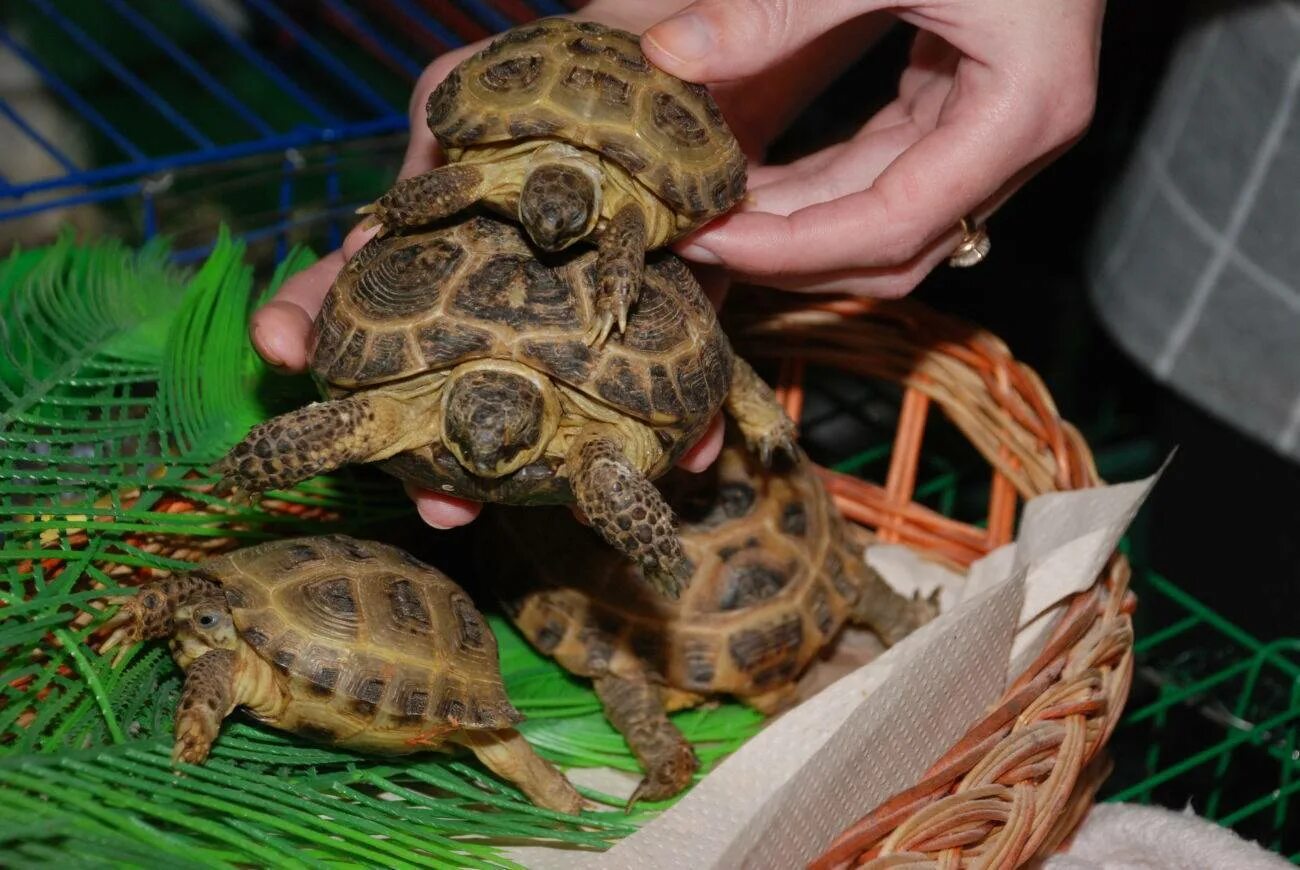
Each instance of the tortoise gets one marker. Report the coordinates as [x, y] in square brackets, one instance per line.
[347, 642]
[568, 127]
[453, 357]
[776, 578]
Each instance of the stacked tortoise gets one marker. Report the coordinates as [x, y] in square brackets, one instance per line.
[351, 643]
[568, 127]
[775, 579]
[454, 357]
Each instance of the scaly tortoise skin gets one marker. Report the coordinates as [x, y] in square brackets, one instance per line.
[454, 358]
[776, 578]
[567, 127]
[352, 643]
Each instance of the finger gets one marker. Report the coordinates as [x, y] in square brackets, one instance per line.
[892, 282]
[789, 85]
[442, 511]
[724, 40]
[852, 168]
[706, 450]
[279, 329]
[920, 196]
[887, 282]
[762, 176]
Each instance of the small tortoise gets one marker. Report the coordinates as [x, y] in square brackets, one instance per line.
[567, 126]
[775, 580]
[454, 358]
[351, 643]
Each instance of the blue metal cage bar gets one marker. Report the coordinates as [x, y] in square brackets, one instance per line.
[284, 79]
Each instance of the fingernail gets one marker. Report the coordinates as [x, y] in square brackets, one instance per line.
[697, 253]
[686, 37]
[420, 507]
[266, 349]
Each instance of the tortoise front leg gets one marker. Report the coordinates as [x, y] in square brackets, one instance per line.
[764, 423]
[625, 508]
[424, 198]
[620, 268]
[207, 699]
[319, 438]
[635, 709]
[507, 754]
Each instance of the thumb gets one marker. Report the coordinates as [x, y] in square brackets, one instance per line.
[722, 40]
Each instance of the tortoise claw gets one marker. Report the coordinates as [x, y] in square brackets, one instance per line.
[232, 486]
[612, 310]
[779, 441]
[599, 332]
[670, 579]
[661, 787]
[124, 633]
[373, 216]
[193, 741]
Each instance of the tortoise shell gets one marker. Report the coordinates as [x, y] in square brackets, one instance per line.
[369, 632]
[590, 85]
[774, 582]
[428, 301]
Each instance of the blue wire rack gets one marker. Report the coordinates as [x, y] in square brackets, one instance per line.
[270, 92]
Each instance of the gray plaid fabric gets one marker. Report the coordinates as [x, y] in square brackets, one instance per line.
[1195, 264]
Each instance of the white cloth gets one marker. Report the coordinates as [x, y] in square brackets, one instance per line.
[1135, 837]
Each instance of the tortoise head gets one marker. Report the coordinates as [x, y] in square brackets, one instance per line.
[560, 200]
[498, 416]
[202, 625]
[145, 616]
[154, 611]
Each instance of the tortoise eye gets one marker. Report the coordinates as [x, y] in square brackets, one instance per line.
[207, 620]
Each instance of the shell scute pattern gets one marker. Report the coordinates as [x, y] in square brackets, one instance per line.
[494, 299]
[759, 608]
[368, 630]
[591, 85]
[519, 292]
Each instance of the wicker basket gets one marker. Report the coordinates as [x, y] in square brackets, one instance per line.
[1016, 785]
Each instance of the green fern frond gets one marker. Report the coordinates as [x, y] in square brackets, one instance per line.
[121, 379]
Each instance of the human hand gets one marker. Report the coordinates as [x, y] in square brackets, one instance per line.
[994, 90]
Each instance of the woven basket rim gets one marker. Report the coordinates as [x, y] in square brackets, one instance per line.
[1018, 782]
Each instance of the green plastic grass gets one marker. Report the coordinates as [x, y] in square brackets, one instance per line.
[121, 380]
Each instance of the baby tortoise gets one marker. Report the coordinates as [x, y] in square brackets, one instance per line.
[566, 126]
[775, 580]
[347, 642]
[454, 358]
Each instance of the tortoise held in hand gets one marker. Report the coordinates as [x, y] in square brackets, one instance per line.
[775, 580]
[454, 357]
[351, 643]
[568, 127]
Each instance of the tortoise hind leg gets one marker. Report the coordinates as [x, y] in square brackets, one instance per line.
[775, 701]
[507, 754]
[625, 508]
[890, 615]
[424, 198]
[635, 709]
[620, 268]
[764, 423]
[206, 700]
[316, 439]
